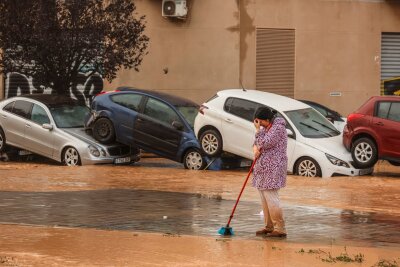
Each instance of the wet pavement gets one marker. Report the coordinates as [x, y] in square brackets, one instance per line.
[160, 197]
[191, 214]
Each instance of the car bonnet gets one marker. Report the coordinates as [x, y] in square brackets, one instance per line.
[330, 145]
[81, 134]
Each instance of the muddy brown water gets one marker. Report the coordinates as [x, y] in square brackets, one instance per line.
[191, 214]
[159, 196]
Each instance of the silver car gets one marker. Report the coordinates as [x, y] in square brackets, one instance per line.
[53, 126]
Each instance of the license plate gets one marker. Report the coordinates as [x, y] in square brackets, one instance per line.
[366, 171]
[245, 163]
[24, 153]
[122, 160]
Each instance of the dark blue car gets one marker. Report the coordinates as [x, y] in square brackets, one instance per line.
[153, 121]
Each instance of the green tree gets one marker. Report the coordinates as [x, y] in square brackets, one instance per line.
[53, 40]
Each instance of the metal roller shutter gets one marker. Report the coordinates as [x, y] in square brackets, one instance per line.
[390, 55]
[275, 61]
[390, 63]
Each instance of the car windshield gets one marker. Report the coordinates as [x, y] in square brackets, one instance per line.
[311, 123]
[189, 112]
[69, 116]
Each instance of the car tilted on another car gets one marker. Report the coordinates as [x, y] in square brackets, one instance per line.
[373, 132]
[225, 123]
[153, 121]
[53, 126]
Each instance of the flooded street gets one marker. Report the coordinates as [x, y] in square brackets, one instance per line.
[191, 214]
[55, 215]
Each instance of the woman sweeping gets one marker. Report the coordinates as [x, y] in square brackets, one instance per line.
[269, 174]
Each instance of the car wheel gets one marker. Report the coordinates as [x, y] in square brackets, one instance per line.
[103, 131]
[2, 141]
[193, 160]
[364, 153]
[308, 167]
[71, 157]
[211, 143]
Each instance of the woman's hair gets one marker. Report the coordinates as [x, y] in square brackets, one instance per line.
[264, 113]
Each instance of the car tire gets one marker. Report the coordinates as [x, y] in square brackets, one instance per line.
[71, 157]
[103, 131]
[194, 160]
[307, 167]
[2, 141]
[211, 143]
[364, 153]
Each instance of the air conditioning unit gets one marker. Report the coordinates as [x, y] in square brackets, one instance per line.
[174, 8]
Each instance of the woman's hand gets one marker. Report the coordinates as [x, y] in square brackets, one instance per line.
[257, 125]
[256, 152]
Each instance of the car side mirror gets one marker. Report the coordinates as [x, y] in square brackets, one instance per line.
[289, 133]
[47, 126]
[177, 125]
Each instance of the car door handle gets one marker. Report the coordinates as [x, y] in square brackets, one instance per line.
[228, 120]
[27, 125]
[379, 123]
[4, 116]
[140, 119]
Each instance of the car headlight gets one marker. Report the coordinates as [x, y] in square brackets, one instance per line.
[94, 151]
[337, 162]
[103, 153]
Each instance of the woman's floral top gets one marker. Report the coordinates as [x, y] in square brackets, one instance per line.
[271, 167]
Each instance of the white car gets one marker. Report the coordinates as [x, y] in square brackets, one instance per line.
[225, 123]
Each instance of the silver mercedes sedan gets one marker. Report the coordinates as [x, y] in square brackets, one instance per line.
[53, 126]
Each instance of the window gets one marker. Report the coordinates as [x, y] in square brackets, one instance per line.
[389, 111]
[321, 110]
[394, 113]
[9, 107]
[22, 108]
[242, 108]
[69, 116]
[160, 111]
[228, 104]
[189, 112]
[311, 124]
[39, 115]
[131, 101]
[383, 109]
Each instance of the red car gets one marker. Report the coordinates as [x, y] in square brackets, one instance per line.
[373, 132]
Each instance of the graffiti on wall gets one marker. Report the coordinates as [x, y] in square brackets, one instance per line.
[18, 84]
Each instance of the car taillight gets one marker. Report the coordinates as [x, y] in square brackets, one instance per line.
[354, 116]
[202, 108]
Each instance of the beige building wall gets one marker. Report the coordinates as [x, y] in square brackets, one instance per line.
[337, 47]
[199, 54]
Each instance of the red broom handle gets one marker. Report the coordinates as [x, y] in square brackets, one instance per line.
[244, 185]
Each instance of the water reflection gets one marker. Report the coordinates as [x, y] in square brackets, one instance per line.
[191, 214]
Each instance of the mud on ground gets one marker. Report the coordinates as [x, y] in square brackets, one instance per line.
[155, 213]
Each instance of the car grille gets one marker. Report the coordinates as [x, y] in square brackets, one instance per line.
[119, 150]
